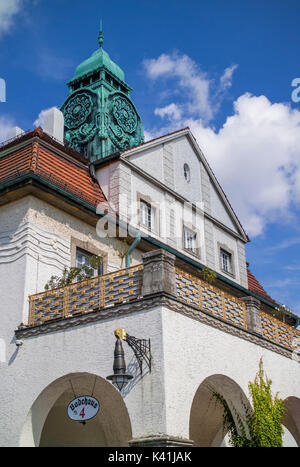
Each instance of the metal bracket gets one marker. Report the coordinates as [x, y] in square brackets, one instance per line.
[141, 349]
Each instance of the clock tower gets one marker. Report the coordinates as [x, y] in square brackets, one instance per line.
[100, 117]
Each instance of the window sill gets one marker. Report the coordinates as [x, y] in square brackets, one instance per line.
[230, 274]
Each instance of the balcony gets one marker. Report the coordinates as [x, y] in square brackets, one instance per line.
[157, 276]
[86, 296]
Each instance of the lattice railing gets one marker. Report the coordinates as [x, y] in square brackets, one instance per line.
[126, 284]
[195, 291]
[82, 297]
[205, 296]
[277, 331]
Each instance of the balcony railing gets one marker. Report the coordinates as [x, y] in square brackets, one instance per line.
[85, 296]
[207, 297]
[127, 284]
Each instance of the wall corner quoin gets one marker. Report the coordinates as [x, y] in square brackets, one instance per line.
[158, 272]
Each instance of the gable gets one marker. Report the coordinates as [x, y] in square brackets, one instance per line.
[164, 159]
[219, 210]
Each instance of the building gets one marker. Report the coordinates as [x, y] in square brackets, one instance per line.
[173, 275]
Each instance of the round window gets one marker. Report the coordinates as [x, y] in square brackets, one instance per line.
[187, 172]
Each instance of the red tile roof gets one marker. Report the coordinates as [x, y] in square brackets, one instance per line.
[66, 171]
[255, 287]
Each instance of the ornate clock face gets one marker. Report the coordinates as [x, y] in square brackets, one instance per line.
[124, 113]
[77, 110]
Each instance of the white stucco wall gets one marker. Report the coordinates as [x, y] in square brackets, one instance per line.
[88, 349]
[194, 351]
[184, 353]
[164, 162]
[35, 242]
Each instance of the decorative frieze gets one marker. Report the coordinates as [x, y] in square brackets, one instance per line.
[154, 280]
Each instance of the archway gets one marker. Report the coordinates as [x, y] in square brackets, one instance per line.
[291, 422]
[206, 415]
[48, 423]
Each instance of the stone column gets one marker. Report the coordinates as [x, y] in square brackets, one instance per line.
[252, 314]
[158, 273]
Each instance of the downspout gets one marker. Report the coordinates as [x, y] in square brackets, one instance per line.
[130, 250]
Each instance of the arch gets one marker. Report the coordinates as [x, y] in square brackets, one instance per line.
[206, 416]
[291, 420]
[48, 424]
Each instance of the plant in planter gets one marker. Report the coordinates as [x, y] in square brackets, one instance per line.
[209, 275]
[74, 274]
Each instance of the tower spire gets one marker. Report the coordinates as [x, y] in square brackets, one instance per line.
[100, 37]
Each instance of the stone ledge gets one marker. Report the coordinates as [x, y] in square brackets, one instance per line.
[144, 304]
[160, 441]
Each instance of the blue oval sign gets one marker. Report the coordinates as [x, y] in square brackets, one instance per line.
[83, 408]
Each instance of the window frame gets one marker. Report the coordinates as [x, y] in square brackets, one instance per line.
[155, 214]
[230, 253]
[143, 205]
[99, 271]
[187, 172]
[91, 249]
[195, 251]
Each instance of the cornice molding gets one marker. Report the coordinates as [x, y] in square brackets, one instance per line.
[146, 304]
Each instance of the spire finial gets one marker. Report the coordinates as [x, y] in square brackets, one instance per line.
[100, 37]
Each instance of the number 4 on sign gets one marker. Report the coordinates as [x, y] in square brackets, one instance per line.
[82, 414]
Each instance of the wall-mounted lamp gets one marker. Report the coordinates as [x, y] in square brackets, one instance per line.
[141, 349]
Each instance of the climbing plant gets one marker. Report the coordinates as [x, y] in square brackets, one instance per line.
[260, 426]
[74, 274]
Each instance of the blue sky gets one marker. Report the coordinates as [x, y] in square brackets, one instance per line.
[224, 68]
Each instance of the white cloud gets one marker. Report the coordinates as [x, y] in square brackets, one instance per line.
[194, 84]
[256, 157]
[6, 123]
[172, 111]
[226, 78]
[8, 11]
[255, 154]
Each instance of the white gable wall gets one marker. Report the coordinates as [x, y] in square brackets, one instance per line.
[156, 175]
[218, 210]
[185, 154]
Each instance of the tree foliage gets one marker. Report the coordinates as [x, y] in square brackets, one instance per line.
[260, 426]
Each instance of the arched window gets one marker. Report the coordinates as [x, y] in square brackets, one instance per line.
[187, 172]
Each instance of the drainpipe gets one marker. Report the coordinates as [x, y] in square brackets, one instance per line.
[130, 250]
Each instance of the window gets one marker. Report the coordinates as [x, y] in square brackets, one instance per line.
[226, 261]
[189, 240]
[82, 257]
[145, 214]
[187, 172]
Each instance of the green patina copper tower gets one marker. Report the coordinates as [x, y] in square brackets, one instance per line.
[100, 117]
